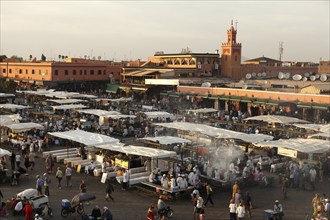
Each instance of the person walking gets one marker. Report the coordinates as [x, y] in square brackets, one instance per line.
[199, 205]
[48, 163]
[107, 215]
[18, 161]
[59, 176]
[312, 176]
[83, 186]
[46, 183]
[235, 189]
[68, 174]
[13, 160]
[232, 210]
[109, 189]
[39, 184]
[248, 204]
[32, 159]
[151, 213]
[209, 192]
[202, 214]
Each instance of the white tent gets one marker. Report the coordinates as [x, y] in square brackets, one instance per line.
[86, 138]
[66, 101]
[13, 106]
[6, 95]
[119, 116]
[98, 112]
[22, 127]
[314, 127]
[203, 110]
[167, 140]
[299, 144]
[216, 132]
[140, 151]
[276, 119]
[150, 115]
[9, 119]
[65, 107]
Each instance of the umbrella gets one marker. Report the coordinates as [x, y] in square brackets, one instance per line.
[4, 152]
[82, 197]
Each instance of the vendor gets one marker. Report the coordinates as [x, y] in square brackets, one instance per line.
[91, 168]
[152, 177]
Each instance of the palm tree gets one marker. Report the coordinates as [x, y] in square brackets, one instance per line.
[59, 56]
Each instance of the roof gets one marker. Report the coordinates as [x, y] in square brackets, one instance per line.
[216, 132]
[66, 101]
[261, 59]
[275, 119]
[13, 106]
[86, 138]
[65, 107]
[187, 54]
[299, 144]
[166, 140]
[315, 89]
[22, 127]
[98, 112]
[139, 73]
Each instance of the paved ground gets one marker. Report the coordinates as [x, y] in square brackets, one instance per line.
[133, 204]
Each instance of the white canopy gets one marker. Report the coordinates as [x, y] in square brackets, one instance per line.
[120, 116]
[150, 115]
[203, 110]
[66, 101]
[4, 152]
[140, 151]
[315, 127]
[98, 112]
[6, 95]
[299, 144]
[65, 107]
[22, 127]
[9, 119]
[167, 140]
[276, 119]
[216, 132]
[323, 134]
[86, 138]
[13, 106]
[57, 94]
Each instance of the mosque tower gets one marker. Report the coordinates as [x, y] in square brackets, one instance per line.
[231, 55]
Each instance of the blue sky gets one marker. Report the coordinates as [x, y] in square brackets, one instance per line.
[136, 29]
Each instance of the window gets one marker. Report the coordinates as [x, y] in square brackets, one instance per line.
[99, 72]
[91, 72]
[85, 72]
[235, 58]
[32, 71]
[74, 72]
[80, 72]
[56, 72]
[9, 70]
[26, 71]
[39, 72]
[66, 72]
[20, 71]
[103, 72]
[3, 70]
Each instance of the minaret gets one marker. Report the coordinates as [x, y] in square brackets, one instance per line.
[231, 55]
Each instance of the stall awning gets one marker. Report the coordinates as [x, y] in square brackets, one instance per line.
[112, 88]
[167, 140]
[223, 98]
[22, 127]
[85, 138]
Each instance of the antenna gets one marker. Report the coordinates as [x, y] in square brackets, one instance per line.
[236, 22]
[231, 22]
[280, 50]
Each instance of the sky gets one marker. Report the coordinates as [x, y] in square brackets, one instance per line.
[131, 30]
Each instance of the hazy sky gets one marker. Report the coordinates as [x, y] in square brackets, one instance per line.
[136, 29]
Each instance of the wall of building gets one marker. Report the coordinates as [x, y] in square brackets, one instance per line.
[288, 97]
[324, 67]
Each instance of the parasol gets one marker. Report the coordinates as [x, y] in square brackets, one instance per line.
[82, 197]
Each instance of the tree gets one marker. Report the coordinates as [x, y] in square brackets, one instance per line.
[2, 58]
[59, 56]
[30, 56]
[63, 57]
[20, 59]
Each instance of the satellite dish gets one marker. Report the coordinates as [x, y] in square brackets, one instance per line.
[287, 75]
[281, 75]
[307, 74]
[323, 77]
[312, 78]
[259, 74]
[248, 76]
[317, 76]
[206, 84]
[297, 77]
[254, 74]
[244, 86]
[305, 79]
[264, 74]
[241, 81]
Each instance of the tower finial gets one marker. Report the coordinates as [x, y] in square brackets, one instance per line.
[231, 22]
[236, 24]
